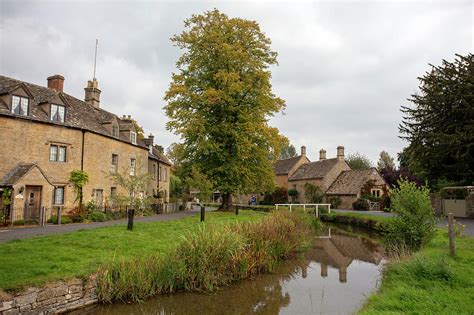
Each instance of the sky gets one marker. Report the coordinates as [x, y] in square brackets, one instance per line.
[345, 67]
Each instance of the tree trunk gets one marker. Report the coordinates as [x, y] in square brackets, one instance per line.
[226, 204]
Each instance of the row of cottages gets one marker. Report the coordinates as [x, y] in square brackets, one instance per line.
[334, 176]
[46, 133]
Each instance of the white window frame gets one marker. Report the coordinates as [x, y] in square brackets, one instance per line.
[133, 166]
[22, 111]
[62, 189]
[52, 116]
[133, 137]
[115, 131]
[114, 167]
[57, 156]
[376, 192]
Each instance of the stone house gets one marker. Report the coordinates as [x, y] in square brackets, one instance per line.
[46, 133]
[334, 176]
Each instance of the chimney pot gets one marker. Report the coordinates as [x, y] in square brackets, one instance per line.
[56, 82]
[92, 93]
[129, 117]
[303, 150]
[340, 153]
[322, 154]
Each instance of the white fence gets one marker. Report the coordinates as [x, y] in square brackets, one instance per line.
[316, 205]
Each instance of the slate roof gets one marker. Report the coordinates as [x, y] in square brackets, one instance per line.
[283, 167]
[160, 157]
[350, 182]
[79, 114]
[313, 170]
[17, 172]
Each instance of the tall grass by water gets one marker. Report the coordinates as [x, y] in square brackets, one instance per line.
[211, 257]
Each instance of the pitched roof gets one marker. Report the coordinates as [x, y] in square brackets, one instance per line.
[160, 157]
[17, 172]
[284, 166]
[79, 114]
[312, 170]
[350, 182]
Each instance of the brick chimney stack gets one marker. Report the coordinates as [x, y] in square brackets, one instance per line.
[340, 153]
[303, 150]
[92, 95]
[322, 154]
[56, 82]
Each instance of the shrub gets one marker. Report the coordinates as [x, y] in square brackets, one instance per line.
[97, 216]
[313, 193]
[413, 224]
[19, 222]
[292, 192]
[360, 204]
[280, 195]
[335, 202]
[64, 219]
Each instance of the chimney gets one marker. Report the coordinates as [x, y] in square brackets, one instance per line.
[340, 153]
[322, 154]
[151, 138]
[92, 96]
[149, 142]
[303, 150]
[56, 82]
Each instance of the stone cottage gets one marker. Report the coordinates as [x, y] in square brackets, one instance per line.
[46, 133]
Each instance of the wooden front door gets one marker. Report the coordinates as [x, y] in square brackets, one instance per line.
[32, 202]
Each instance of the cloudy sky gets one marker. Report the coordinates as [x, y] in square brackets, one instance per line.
[345, 68]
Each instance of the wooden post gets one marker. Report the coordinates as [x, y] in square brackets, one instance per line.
[304, 208]
[130, 215]
[276, 207]
[203, 211]
[452, 250]
[59, 215]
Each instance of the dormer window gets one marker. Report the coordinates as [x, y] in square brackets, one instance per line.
[20, 105]
[57, 113]
[115, 131]
[133, 137]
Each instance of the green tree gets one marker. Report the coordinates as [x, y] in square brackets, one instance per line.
[439, 125]
[78, 179]
[220, 102]
[287, 151]
[313, 193]
[385, 161]
[358, 161]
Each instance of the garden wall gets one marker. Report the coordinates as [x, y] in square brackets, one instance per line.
[53, 298]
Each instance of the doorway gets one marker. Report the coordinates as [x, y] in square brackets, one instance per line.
[32, 202]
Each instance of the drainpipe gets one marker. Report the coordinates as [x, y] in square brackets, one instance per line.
[82, 150]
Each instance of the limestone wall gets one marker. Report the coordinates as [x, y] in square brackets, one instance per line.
[53, 298]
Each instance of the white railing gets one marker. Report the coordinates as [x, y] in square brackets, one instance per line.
[316, 205]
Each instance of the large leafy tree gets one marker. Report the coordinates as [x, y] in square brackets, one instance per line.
[220, 102]
[358, 161]
[385, 161]
[439, 126]
[287, 151]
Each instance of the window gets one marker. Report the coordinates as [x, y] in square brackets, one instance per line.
[133, 137]
[98, 197]
[133, 166]
[58, 196]
[153, 174]
[19, 105]
[160, 174]
[114, 166]
[113, 191]
[375, 192]
[57, 153]
[165, 171]
[57, 113]
[115, 131]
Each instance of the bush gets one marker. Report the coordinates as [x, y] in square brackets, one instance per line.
[360, 204]
[97, 216]
[64, 219]
[280, 195]
[335, 202]
[19, 222]
[414, 223]
[313, 193]
[292, 192]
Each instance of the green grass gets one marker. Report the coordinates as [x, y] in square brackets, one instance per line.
[363, 215]
[38, 260]
[429, 282]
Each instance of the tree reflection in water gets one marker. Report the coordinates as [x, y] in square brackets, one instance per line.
[264, 294]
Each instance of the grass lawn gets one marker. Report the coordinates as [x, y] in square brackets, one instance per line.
[38, 260]
[363, 215]
[430, 282]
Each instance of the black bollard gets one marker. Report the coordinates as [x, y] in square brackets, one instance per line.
[203, 212]
[130, 215]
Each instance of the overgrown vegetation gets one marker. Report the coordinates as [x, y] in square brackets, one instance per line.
[413, 224]
[208, 259]
[428, 282]
[313, 193]
[78, 179]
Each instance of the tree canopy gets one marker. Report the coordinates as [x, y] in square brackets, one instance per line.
[220, 101]
[287, 151]
[358, 161]
[385, 161]
[439, 125]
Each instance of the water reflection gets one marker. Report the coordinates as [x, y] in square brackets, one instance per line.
[334, 277]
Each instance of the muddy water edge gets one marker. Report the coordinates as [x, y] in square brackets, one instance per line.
[334, 276]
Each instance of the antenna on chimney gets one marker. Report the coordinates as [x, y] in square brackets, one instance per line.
[95, 56]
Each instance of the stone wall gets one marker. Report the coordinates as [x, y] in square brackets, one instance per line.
[53, 298]
[470, 206]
